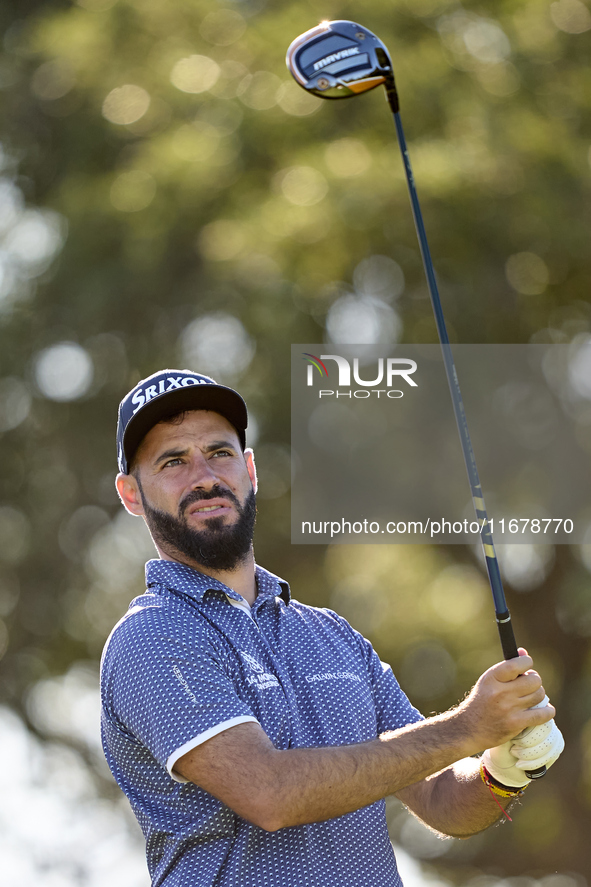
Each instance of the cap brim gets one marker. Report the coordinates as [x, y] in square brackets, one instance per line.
[217, 398]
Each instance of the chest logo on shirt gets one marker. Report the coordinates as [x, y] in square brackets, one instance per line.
[260, 679]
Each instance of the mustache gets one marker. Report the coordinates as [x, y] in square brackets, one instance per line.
[216, 492]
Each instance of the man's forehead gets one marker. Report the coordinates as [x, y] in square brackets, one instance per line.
[196, 424]
[197, 418]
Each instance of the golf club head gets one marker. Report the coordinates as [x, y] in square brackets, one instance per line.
[336, 60]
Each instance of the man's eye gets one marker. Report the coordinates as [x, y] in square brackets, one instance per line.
[176, 461]
[222, 453]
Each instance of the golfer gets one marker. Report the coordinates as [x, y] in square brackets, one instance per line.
[257, 738]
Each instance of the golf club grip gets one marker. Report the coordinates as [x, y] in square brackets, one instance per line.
[510, 651]
[506, 635]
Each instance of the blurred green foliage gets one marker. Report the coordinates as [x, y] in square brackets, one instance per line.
[165, 183]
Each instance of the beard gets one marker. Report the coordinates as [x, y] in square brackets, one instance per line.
[218, 546]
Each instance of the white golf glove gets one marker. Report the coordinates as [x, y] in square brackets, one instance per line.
[534, 747]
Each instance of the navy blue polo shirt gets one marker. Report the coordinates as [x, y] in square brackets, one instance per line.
[191, 659]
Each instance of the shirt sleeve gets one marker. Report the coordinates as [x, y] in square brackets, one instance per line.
[164, 684]
[393, 707]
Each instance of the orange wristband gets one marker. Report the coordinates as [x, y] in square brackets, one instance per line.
[501, 792]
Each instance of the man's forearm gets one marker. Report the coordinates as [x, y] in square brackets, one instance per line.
[455, 802]
[277, 789]
[340, 780]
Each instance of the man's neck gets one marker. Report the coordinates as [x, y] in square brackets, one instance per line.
[242, 579]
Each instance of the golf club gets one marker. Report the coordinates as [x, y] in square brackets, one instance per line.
[340, 59]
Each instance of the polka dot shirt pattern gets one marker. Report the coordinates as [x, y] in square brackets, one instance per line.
[183, 664]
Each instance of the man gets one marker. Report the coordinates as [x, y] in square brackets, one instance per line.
[256, 738]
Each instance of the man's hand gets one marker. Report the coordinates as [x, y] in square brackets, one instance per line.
[536, 747]
[506, 700]
[507, 713]
[533, 751]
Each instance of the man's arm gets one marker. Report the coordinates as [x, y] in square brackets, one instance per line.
[456, 801]
[276, 789]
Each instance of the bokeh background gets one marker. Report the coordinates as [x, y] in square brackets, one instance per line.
[169, 197]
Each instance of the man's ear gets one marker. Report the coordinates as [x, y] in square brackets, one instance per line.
[251, 467]
[129, 493]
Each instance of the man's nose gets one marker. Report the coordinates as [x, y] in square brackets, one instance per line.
[203, 472]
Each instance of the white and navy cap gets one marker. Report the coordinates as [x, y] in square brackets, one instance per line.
[165, 394]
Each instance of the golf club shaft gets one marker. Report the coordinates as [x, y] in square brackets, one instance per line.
[503, 616]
